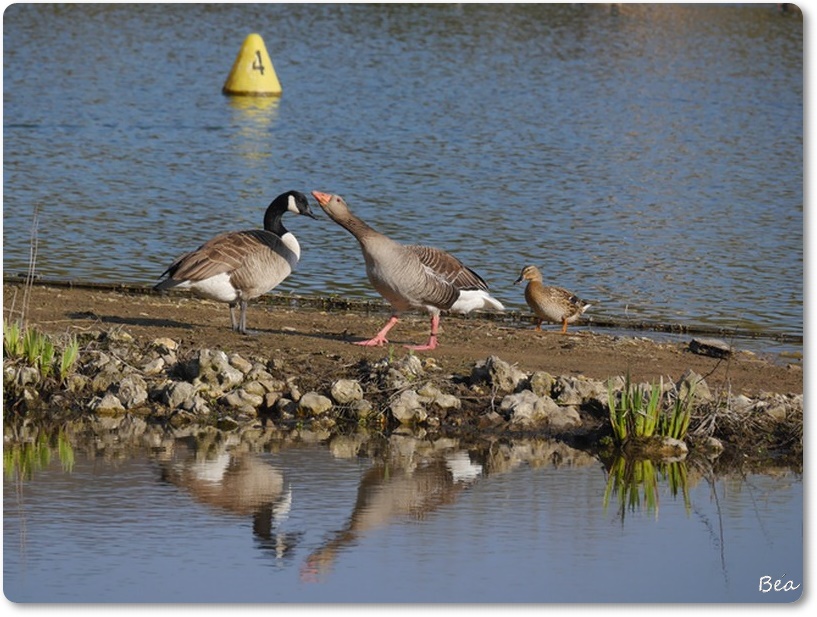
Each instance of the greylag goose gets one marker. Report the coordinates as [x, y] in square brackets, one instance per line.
[411, 276]
[235, 267]
[550, 303]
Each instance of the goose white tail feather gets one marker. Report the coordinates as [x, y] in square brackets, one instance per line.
[475, 299]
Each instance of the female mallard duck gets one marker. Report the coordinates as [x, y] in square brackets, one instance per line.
[550, 303]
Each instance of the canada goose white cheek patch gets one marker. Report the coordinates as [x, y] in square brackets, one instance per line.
[292, 206]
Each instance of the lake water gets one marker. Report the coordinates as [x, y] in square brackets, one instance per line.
[649, 159]
[200, 518]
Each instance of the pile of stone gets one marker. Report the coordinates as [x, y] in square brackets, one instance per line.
[214, 388]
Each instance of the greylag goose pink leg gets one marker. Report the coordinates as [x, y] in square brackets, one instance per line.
[432, 340]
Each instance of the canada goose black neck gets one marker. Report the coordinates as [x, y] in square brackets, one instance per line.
[291, 201]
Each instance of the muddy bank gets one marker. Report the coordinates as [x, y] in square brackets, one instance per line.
[172, 360]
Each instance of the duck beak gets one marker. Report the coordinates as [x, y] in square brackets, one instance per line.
[519, 280]
[323, 198]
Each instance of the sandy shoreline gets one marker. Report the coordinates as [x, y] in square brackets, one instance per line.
[323, 335]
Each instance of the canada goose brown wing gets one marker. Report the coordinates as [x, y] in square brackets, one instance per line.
[225, 253]
[449, 268]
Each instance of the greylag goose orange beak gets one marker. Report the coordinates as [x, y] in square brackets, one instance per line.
[323, 198]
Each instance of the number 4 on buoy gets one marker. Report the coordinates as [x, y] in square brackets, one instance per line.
[252, 73]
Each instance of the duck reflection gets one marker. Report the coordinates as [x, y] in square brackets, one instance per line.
[391, 491]
[242, 484]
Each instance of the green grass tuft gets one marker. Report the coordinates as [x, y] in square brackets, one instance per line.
[639, 412]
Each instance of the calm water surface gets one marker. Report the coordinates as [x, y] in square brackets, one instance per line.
[398, 520]
[650, 160]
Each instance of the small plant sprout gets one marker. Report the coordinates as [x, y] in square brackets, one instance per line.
[12, 340]
[69, 356]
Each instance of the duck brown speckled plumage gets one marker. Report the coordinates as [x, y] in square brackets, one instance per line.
[553, 304]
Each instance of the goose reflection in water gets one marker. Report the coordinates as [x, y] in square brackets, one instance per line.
[388, 493]
[239, 484]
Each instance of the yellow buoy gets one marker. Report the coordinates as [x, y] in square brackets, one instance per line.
[252, 73]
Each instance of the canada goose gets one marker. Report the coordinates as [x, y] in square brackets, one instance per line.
[411, 276]
[235, 267]
[550, 303]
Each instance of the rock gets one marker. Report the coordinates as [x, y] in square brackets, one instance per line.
[395, 380]
[712, 347]
[196, 405]
[741, 403]
[345, 391]
[527, 410]
[407, 408]
[132, 391]
[446, 401]
[429, 394]
[239, 363]
[165, 345]
[117, 335]
[777, 412]
[75, 382]
[242, 400]
[28, 375]
[710, 446]
[692, 379]
[109, 375]
[270, 398]
[214, 370]
[294, 391]
[154, 367]
[361, 409]
[410, 366]
[541, 383]
[490, 420]
[314, 404]
[177, 392]
[261, 376]
[577, 391]
[564, 418]
[496, 372]
[254, 387]
[108, 405]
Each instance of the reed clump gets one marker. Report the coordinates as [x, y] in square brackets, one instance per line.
[640, 412]
[33, 361]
